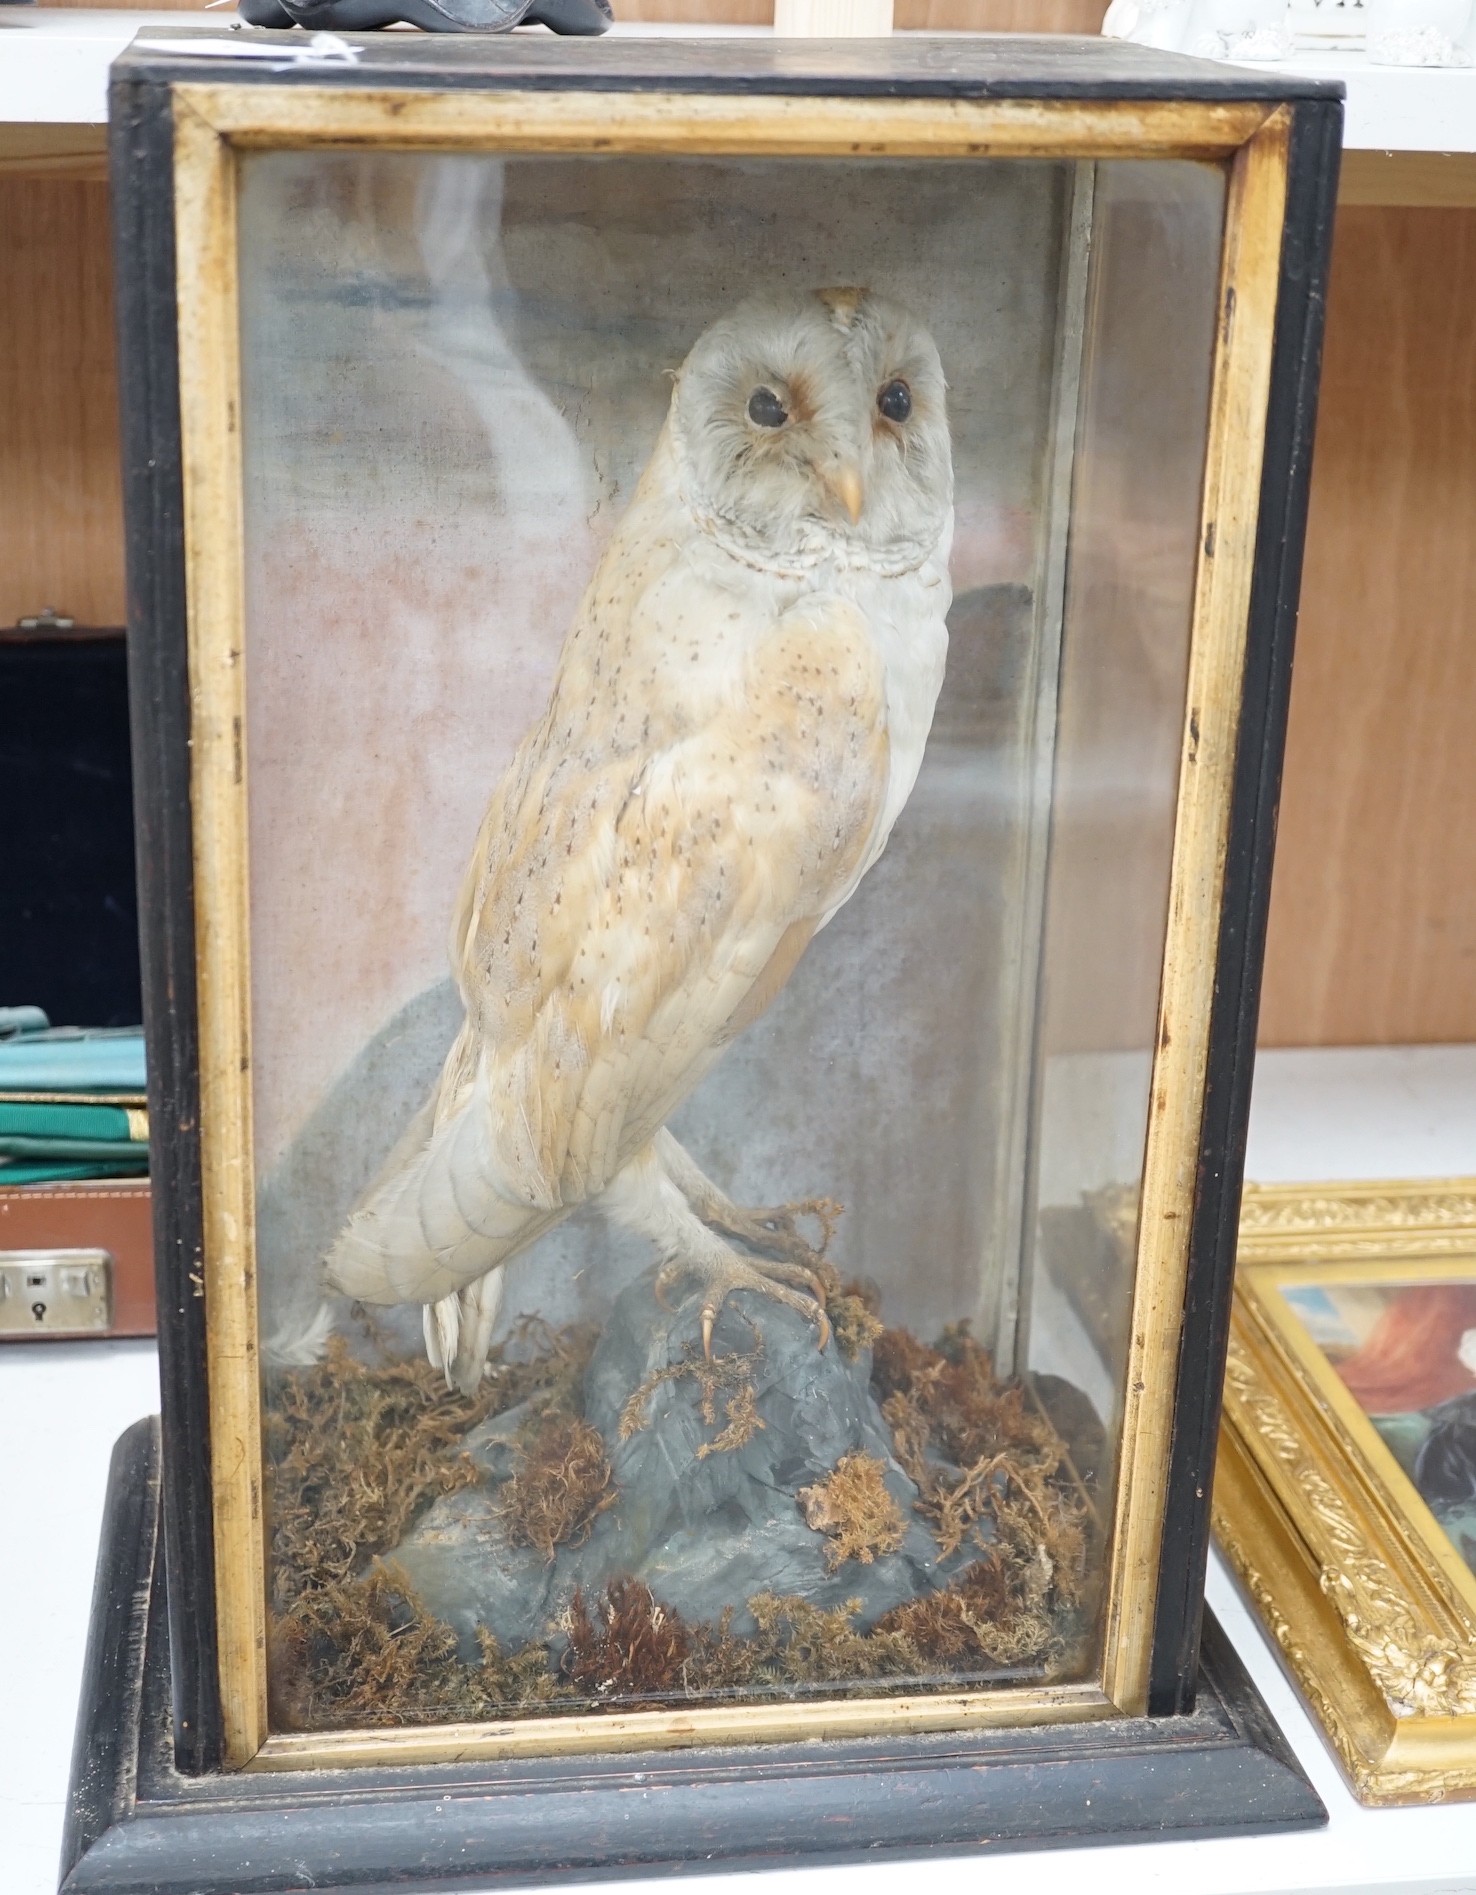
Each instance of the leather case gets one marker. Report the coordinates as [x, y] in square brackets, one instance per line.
[110, 1214]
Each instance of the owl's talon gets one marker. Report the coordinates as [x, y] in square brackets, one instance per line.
[771, 1280]
[801, 1276]
[670, 1274]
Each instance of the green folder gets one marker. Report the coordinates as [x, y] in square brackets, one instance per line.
[107, 1151]
[58, 1173]
[46, 1141]
[35, 1119]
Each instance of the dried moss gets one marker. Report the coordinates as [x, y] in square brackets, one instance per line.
[854, 1511]
[366, 1653]
[631, 1645]
[352, 1454]
[743, 1422]
[855, 1321]
[810, 1644]
[561, 1483]
[997, 1614]
[947, 1411]
[356, 1451]
[990, 1469]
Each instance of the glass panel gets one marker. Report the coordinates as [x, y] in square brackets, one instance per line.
[1135, 516]
[702, 1051]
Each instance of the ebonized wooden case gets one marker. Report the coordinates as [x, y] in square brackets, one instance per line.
[1167, 1735]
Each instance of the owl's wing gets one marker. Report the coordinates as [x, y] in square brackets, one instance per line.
[629, 915]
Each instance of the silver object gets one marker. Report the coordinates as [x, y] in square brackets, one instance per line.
[55, 1292]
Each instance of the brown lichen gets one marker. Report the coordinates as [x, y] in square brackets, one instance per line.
[729, 1376]
[743, 1419]
[854, 1511]
[561, 1483]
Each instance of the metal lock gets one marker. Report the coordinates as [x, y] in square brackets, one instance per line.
[55, 1292]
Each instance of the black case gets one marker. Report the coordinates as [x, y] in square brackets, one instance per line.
[150, 1808]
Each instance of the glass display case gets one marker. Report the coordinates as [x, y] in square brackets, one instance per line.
[711, 635]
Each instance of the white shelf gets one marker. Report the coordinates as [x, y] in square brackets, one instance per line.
[54, 62]
[1396, 108]
[54, 70]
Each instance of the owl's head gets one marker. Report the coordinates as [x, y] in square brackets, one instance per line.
[817, 424]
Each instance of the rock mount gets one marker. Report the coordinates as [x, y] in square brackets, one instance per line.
[709, 1467]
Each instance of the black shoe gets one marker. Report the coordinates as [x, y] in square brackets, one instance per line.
[583, 17]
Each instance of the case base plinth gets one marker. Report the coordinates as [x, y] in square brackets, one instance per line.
[136, 1826]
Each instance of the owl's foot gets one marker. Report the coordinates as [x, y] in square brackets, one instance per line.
[775, 1233]
[781, 1281]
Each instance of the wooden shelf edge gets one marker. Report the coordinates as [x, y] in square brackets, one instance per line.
[53, 151]
[1429, 179]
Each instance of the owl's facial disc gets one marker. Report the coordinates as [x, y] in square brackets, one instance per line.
[795, 430]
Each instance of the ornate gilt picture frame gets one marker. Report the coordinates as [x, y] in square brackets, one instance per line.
[1337, 1495]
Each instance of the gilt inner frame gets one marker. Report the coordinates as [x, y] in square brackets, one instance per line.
[212, 125]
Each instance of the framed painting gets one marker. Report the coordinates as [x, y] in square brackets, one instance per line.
[1346, 1495]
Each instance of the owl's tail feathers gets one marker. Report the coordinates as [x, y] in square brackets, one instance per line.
[435, 1222]
[441, 1322]
[458, 1331]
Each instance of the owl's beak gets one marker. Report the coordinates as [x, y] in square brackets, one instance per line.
[843, 483]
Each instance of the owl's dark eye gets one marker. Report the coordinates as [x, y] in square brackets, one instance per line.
[765, 409]
[895, 401]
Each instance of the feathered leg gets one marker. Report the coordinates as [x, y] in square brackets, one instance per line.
[644, 1199]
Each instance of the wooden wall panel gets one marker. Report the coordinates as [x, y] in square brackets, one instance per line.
[1373, 914]
[61, 513]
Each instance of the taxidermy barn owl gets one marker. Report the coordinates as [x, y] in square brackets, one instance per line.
[737, 718]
